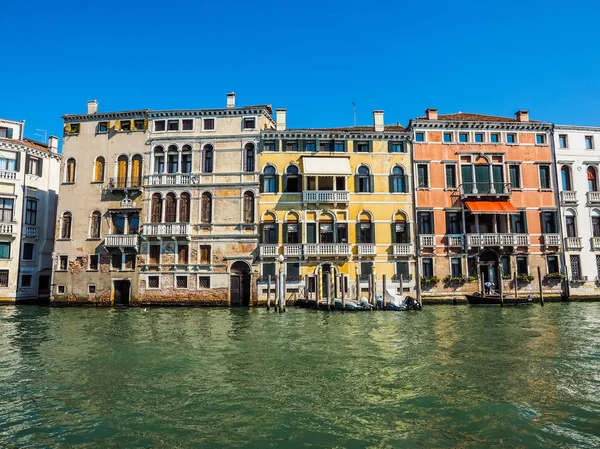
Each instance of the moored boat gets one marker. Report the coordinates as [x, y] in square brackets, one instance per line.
[477, 299]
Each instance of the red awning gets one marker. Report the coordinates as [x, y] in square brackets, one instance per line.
[491, 207]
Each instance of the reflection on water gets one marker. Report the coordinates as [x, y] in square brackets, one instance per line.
[443, 377]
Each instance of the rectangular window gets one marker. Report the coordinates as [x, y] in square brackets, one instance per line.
[8, 164]
[187, 124]
[366, 269]
[575, 267]
[205, 254]
[422, 176]
[451, 175]
[139, 124]
[522, 265]
[540, 139]
[456, 267]
[310, 146]
[269, 146]
[181, 281]
[519, 222]
[494, 137]
[125, 125]
[4, 250]
[325, 146]
[93, 260]
[129, 261]
[425, 222]
[419, 137]
[91, 289]
[182, 254]
[292, 272]
[249, 123]
[203, 281]
[173, 125]
[463, 137]
[342, 229]
[26, 280]
[159, 125]
[339, 147]
[402, 268]
[562, 141]
[505, 264]
[31, 212]
[154, 256]
[75, 128]
[427, 264]
[102, 127]
[397, 147]
[514, 173]
[479, 137]
[544, 171]
[549, 222]
[208, 124]
[33, 164]
[362, 147]
[63, 262]
[61, 289]
[153, 281]
[511, 138]
[28, 251]
[552, 264]
[453, 223]
[116, 261]
[589, 142]
[291, 146]
[448, 137]
[269, 269]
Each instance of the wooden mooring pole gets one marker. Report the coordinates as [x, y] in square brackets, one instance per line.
[317, 292]
[501, 286]
[306, 288]
[516, 287]
[540, 286]
[269, 292]
[327, 289]
[384, 285]
[343, 292]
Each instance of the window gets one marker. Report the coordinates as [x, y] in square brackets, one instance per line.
[248, 207]
[514, 173]
[362, 147]
[463, 137]
[447, 137]
[562, 141]
[310, 146]
[208, 124]
[342, 232]
[159, 125]
[400, 230]
[203, 281]
[269, 145]
[549, 222]
[93, 262]
[173, 125]
[427, 263]
[6, 209]
[187, 124]
[125, 125]
[522, 265]
[398, 180]
[4, 250]
[544, 171]
[269, 233]
[402, 269]
[552, 264]
[63, 262]
[205, 254]
[366, 269]
[70, 169]
[363, 181]
[419, 137]
[186, 159]
[170, 208]
[91, 289]
[153, 282]
[99, 165]
[366, 231]
[290, 146]
[184, 207]
[208, 158]
[102, 127]
[249, 160]
[26, 280]
[453, 223]
[455, 267]
[28, 251]
[95, 221]
[75, 128]
[31, 212]
[292, 233]
[159, 160]
[425, 222]
[292, 179]
[66, 222]
[575, 267]
[571, 224]
[116, 261]
[154, 254]
[519, 222]
[505, 265]
[249, 123]
[540, 139]
[592, 179]
[292, 272]
[269, 269]
[494, 137]
[450, 170]
[172, 160]
[339, 147]
[325, 146]
[511, 138]
[206, 208]
[589, 142]
[60, 289]
[479, 137]
[139, 124]
[565, 177]
[156, 209]
[270, 180]
[595, 225]
[598, 266]
[8, 164]
[182, 254]
[422, 176]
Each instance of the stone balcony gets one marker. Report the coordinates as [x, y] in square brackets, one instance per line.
[485, 190]
[122, 241]
[568, 197]
[427, 241]
[9, 229]
[402, 249]
[31, 231]
[487, 240]
[292, 250]
[8, 174]
[327, 249]
[551, 240]
[171, 179]
[167, 230]
[593, 197]
[573, 243]
[268, 250]
[367, 249]
[325, 197]
[595, 243]
[455, 240]
[122, 184]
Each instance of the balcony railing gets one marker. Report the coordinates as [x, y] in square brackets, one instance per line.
[31, 231]
[483, 240]
[124, 184]
[593, 197]
[551, 240]
[455, 240]
[367, 249]
[427, 240]
[595, 241]
[269, 250]
[160, 229]
[405, 278]
[8, 174]
[568, 196]
[7, 229]
[483, 189]
[573, 243]
[325, 196]
[327, 249]
[170, 179]
[292, 250]
[122, 240]
[402, 249]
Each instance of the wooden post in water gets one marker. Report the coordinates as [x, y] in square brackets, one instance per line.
[481, 283]
[357, 286]
[370, 290]
[343, 292]
[401, 285]
[284, 292]
[317, 292]
[306, 288]
[384, 285]
[269, 292]
[327, 288]
[540, 285]
[276, 294]
[374, 289]
[516, 286]
[501, 286]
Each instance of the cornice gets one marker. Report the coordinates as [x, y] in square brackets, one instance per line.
[506, 126]
[342, 135]
[577, 128]
[18, 146]
[139, 114]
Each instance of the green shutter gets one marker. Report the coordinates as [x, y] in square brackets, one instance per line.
[370, 146]
[276, 232]
[372, 232]
[524, 221]
[9, 133]
[284, 229]
[393, 228]
[358, 232]
[261, 228]
[261, 180]
[432, 222]
[276, 176]
[311, 233]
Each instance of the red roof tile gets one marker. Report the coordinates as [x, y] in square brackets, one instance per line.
[30, 143]
[468, 117]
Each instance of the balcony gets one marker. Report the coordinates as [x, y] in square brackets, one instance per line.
[292, 250]
[595, 243]
[405, 278]
[326, 197]
[484, 240]
[31, 231]
[573, 243]
[402, 249]
[427, 241]
[269, 250]
[367, 249]
[593, 197]
[551, 240]
[568, 196]
[455, 240]
[120, 184]
[485, 190]
[171, 179]
[122, 241]
[327, 249]
[7, 229]
[166, 230]
[8, 174]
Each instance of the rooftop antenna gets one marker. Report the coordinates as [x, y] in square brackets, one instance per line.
[42, 133]
[354, 106]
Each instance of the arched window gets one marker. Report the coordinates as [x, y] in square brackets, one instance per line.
[95, 220]
[592, 179]
[249, 157]
[208, 156]
[136, 171]
[186, 159]
[269, 181]
[292, 231]
[71, 167]
[65, 226]
[156, 208]
[595, 223]
[571, 223]
[326, 234]
[269, 234]
[398, 180]
[565, 173]
[248, 207]
[122, 163]
[159, 160]
[184, 208]
[170, 208]
[99, 168]
[400, 229]
[292, 179]
[365, 232]
[364, 182]
[206, 211]
[172, 159]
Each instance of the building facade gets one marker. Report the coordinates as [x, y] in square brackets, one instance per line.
[335, 201]
[577, 165]
[485, 202]
[28, 194]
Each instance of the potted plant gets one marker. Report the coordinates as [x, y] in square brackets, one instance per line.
[527, 278]
[556, 276]
[429, 281]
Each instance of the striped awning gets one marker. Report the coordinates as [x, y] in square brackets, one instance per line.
[491, 207]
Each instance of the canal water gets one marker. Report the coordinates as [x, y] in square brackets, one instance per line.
[190, 378]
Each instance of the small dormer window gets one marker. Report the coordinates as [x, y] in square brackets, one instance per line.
[187, 124]
[250, 123]
[209, 124]
[75, 128]
[159, 125]
[103, 127]
[173, 125]
[139, 125]
[540, 139]
[125, 125]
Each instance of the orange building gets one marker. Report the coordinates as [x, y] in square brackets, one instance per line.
[485, 203]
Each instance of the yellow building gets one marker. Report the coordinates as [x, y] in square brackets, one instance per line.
[336, 201]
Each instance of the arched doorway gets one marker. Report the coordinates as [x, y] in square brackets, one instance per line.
[488, 262]
[239, 290]
[321, 271]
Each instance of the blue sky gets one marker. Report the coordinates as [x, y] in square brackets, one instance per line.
[312, 57]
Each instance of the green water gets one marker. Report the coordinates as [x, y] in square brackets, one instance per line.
[169, 378]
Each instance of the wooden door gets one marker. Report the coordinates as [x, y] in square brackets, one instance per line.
[236, 290]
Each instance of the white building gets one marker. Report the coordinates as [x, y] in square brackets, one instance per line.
[29, 172]
[577, 150]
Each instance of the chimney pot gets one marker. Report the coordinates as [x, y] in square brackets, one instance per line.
[280, 118]
[378, 121]
[522, 115]
[432, 113]
[53, 144]
[92, 107]
[231, 100]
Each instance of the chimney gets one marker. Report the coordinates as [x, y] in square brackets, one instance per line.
[378, 121]
[280, 116]
[92, 107]
[53, 144]
[231, 100]
[522, 115]
[432, 114]
[22, 129]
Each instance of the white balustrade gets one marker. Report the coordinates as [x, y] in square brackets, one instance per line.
[30, 231]
[551, 239]
[269, 250]
[367, 249]
[8, 174]
[568, 196]
[596, 243]
[497, 240]
[455, 240]
[573, 242]
[166, 229]
[171, 179]
[327, 196]
[326, 249]
[402, 249]
[427, 240]
[593, 197]
[292, 250]
[121, 240]
[7, 228]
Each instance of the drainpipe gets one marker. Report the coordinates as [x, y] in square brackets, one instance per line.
[416, 228]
